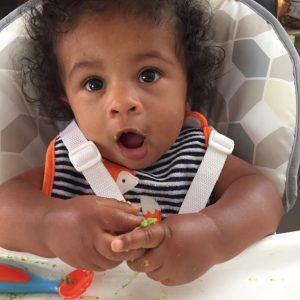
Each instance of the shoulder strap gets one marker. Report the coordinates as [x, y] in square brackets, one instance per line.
[86, 158]
[218, 148]
[49, 169]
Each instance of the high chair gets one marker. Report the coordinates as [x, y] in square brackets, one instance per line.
[256, 99]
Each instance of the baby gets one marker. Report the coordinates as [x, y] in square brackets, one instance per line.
[130, 72]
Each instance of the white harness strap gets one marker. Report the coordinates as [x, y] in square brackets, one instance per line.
[219, 147]
[86, 158]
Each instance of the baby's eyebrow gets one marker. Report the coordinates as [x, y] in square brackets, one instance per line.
[88, 64]
[153, 54]
[84, 64]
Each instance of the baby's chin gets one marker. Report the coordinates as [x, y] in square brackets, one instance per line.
[135, 164]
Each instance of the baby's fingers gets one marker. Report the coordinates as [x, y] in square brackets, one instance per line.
[118, 222]
[122, 205]
[149, 237]
[103, 247]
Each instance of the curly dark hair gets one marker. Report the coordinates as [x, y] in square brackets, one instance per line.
[190, 18]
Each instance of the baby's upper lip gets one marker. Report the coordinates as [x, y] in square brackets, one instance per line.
[128, 130]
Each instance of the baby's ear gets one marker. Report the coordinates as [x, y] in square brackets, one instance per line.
[188, 105]
[65, 102]
[64, 99]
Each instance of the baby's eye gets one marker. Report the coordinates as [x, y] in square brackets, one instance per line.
[94, 84]
[149, 75]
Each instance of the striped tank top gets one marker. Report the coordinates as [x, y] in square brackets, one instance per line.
[167, 180]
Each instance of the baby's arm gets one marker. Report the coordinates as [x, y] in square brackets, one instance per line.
[248, 209]
[79, 230]
[183, 247]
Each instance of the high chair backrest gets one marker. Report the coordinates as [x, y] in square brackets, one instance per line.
[257, 98]
[255, 103]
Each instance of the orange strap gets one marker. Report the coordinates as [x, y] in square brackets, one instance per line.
[49, 169]
[204, 124]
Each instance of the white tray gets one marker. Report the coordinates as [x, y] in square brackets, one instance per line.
[269, 270]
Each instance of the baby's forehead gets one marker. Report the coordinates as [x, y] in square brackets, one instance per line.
[98, 19]
[144, 17]
[98, 41]
[153, 11]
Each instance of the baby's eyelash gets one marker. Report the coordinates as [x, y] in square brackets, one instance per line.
[155, 69]
[149, 75]
[93, 84]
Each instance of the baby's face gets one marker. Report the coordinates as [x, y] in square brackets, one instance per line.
[126, 86]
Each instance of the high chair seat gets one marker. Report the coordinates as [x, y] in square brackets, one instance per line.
[255, 103]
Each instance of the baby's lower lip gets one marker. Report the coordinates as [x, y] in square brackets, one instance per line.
[134, 153]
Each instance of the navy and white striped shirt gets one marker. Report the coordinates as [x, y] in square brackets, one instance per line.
[167, 180]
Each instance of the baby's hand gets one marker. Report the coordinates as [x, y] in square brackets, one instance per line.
[180, 249]
[81, 230]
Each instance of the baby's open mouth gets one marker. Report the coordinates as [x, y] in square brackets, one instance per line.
[133, 144]
[131, 140]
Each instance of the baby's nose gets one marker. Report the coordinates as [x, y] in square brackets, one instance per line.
[123, 103]
[123, 107]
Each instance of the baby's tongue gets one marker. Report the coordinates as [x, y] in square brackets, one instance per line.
[131, 140]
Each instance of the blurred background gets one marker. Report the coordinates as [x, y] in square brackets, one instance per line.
[7, 6]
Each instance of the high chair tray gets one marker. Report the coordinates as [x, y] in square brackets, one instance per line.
[270, 269]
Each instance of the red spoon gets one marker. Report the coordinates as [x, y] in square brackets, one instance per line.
[75, 283]
[17, 279]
